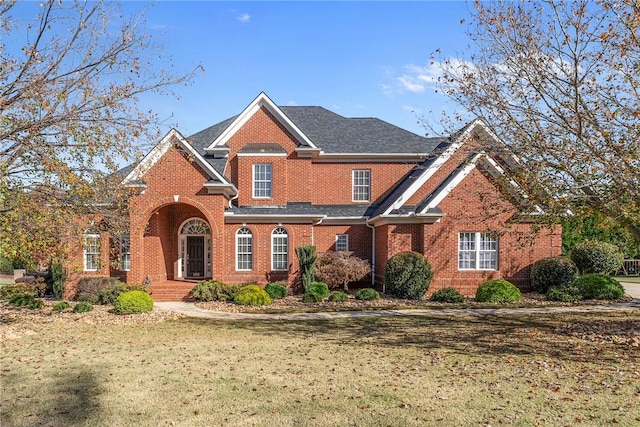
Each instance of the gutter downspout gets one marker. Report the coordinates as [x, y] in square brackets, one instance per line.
[313, 242]
[373, 255]
[232, 199]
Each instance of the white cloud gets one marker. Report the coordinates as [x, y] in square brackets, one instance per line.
[244, 18]
[417, 78]
[291, 103]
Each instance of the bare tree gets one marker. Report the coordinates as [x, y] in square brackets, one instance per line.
[559, 82]
[70, 81]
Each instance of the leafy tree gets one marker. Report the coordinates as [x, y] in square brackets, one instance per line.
[69, 84]
[341, 268]
[306, 260]
[558, 83]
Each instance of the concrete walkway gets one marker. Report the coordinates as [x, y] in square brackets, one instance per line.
[192, 311]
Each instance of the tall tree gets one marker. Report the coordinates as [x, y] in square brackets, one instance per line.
[559, 82]
[70, 80]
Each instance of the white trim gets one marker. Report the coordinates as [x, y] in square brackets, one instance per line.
[346, 236]
[273, 236]
[354, 185]
[477, 236]
[250, 234]
[98, 252]
[231, 218]
[413, 218]
[182, 250]
[253, 181]
[513, 183]
[261, 154]
[262, 100]
[128, 239]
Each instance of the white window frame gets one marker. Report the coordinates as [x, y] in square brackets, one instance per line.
[361, 185]
[477, 250]
[342, 246]
[244, 237]
[262, 174]
[125, 252]
[279, 249]
[91, 247]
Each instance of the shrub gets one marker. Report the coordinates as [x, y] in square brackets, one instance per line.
[252, 295]
[88, 288]
[312, 296]
[338, 297]
[563, 294]
[407, 275]
[599, 286]
[367, 294]
[341, 268]
[213, 290]
[551, 272]
[40, 287]
[447, 295]
[109, 295]
[59, 278]
[306, 260]
[276, 290]
[7, 292]
[60, 306]
[498, 291]
[133, 302]
[592, 256]
[6, 266]
[26, 301]
[321, 288]
[82, 307]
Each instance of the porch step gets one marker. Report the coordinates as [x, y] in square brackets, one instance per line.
[171, 291]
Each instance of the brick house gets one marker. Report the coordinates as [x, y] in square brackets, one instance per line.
[233, 201]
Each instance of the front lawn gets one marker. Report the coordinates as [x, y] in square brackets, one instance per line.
[560, 369]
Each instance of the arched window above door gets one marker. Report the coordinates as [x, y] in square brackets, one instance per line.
[195, 226]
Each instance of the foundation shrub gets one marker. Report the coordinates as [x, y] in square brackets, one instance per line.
[312, 296]
[338, 297]
[407, 275]
[40, 287]
[553, 272]
[321, 288]
[6, 266]
[447, 295]
[58, 277]
[108, 295]
[563, 294]
[338, 269]
[88, 288]
[306, 261]
[27, 301]
[592, 256]
[83, 307]
[131, 302]
[599, 286]
[213, 290]
[252, 295]
[276, 290]
[60, 306]
[498, 290]
[367, 294]
[7, 292]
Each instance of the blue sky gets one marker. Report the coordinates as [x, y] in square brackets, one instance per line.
[359, 59]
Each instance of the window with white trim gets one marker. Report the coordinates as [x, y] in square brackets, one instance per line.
[279, 249]
[342, 242]
[477, 251]
[244, 249]
[361, 185]
[91, 252]
[262, 181]
[125, 253]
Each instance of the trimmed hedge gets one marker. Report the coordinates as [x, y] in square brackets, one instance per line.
[338, 297]
[447, 295]
[211, 290]
[498, 290]
[7, 292]
[599, 286]
[553, 272]
[592, 256]
[367, 294]
[88, 288]
[60, 306]
[321, 288]
[563, 294]
[312, 296]
[26, 301]
[83, 307]
[109, 295]
[133, 302]
[407, 275]
[252, 295]
[276, 290]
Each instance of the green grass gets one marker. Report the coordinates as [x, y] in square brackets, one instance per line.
[390, 371]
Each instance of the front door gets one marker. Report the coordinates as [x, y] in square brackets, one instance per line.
[195, 256]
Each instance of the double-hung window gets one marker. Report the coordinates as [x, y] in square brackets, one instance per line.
[361, 185]
[262, 180]
[342, 242]
[91, 252]
[477, 251]
[279, 249]
[125, 253]
[244, 250]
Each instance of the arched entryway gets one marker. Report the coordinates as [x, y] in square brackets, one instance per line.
[194, 249]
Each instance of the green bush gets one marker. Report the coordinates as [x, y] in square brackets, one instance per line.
[6, 266]
[498, 290]
[367, 294]
[26, 301]
[563, 294]
[82, 307]
[276, 290]
[599, 286]
[60, 306]
[306, 261]
[88, 288]
[592, 256]
[552, 272]
[252, 295]
[213, 290]
[321, 288]
[7, 292]
[109, 295]
[407, 275]
[338, 297]
[447, 295]
[58, 277]
[133, 302]
[312, 296]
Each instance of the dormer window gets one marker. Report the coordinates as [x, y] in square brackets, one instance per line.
[262, 180]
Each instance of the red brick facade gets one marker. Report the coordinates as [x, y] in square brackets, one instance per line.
[174, 189]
